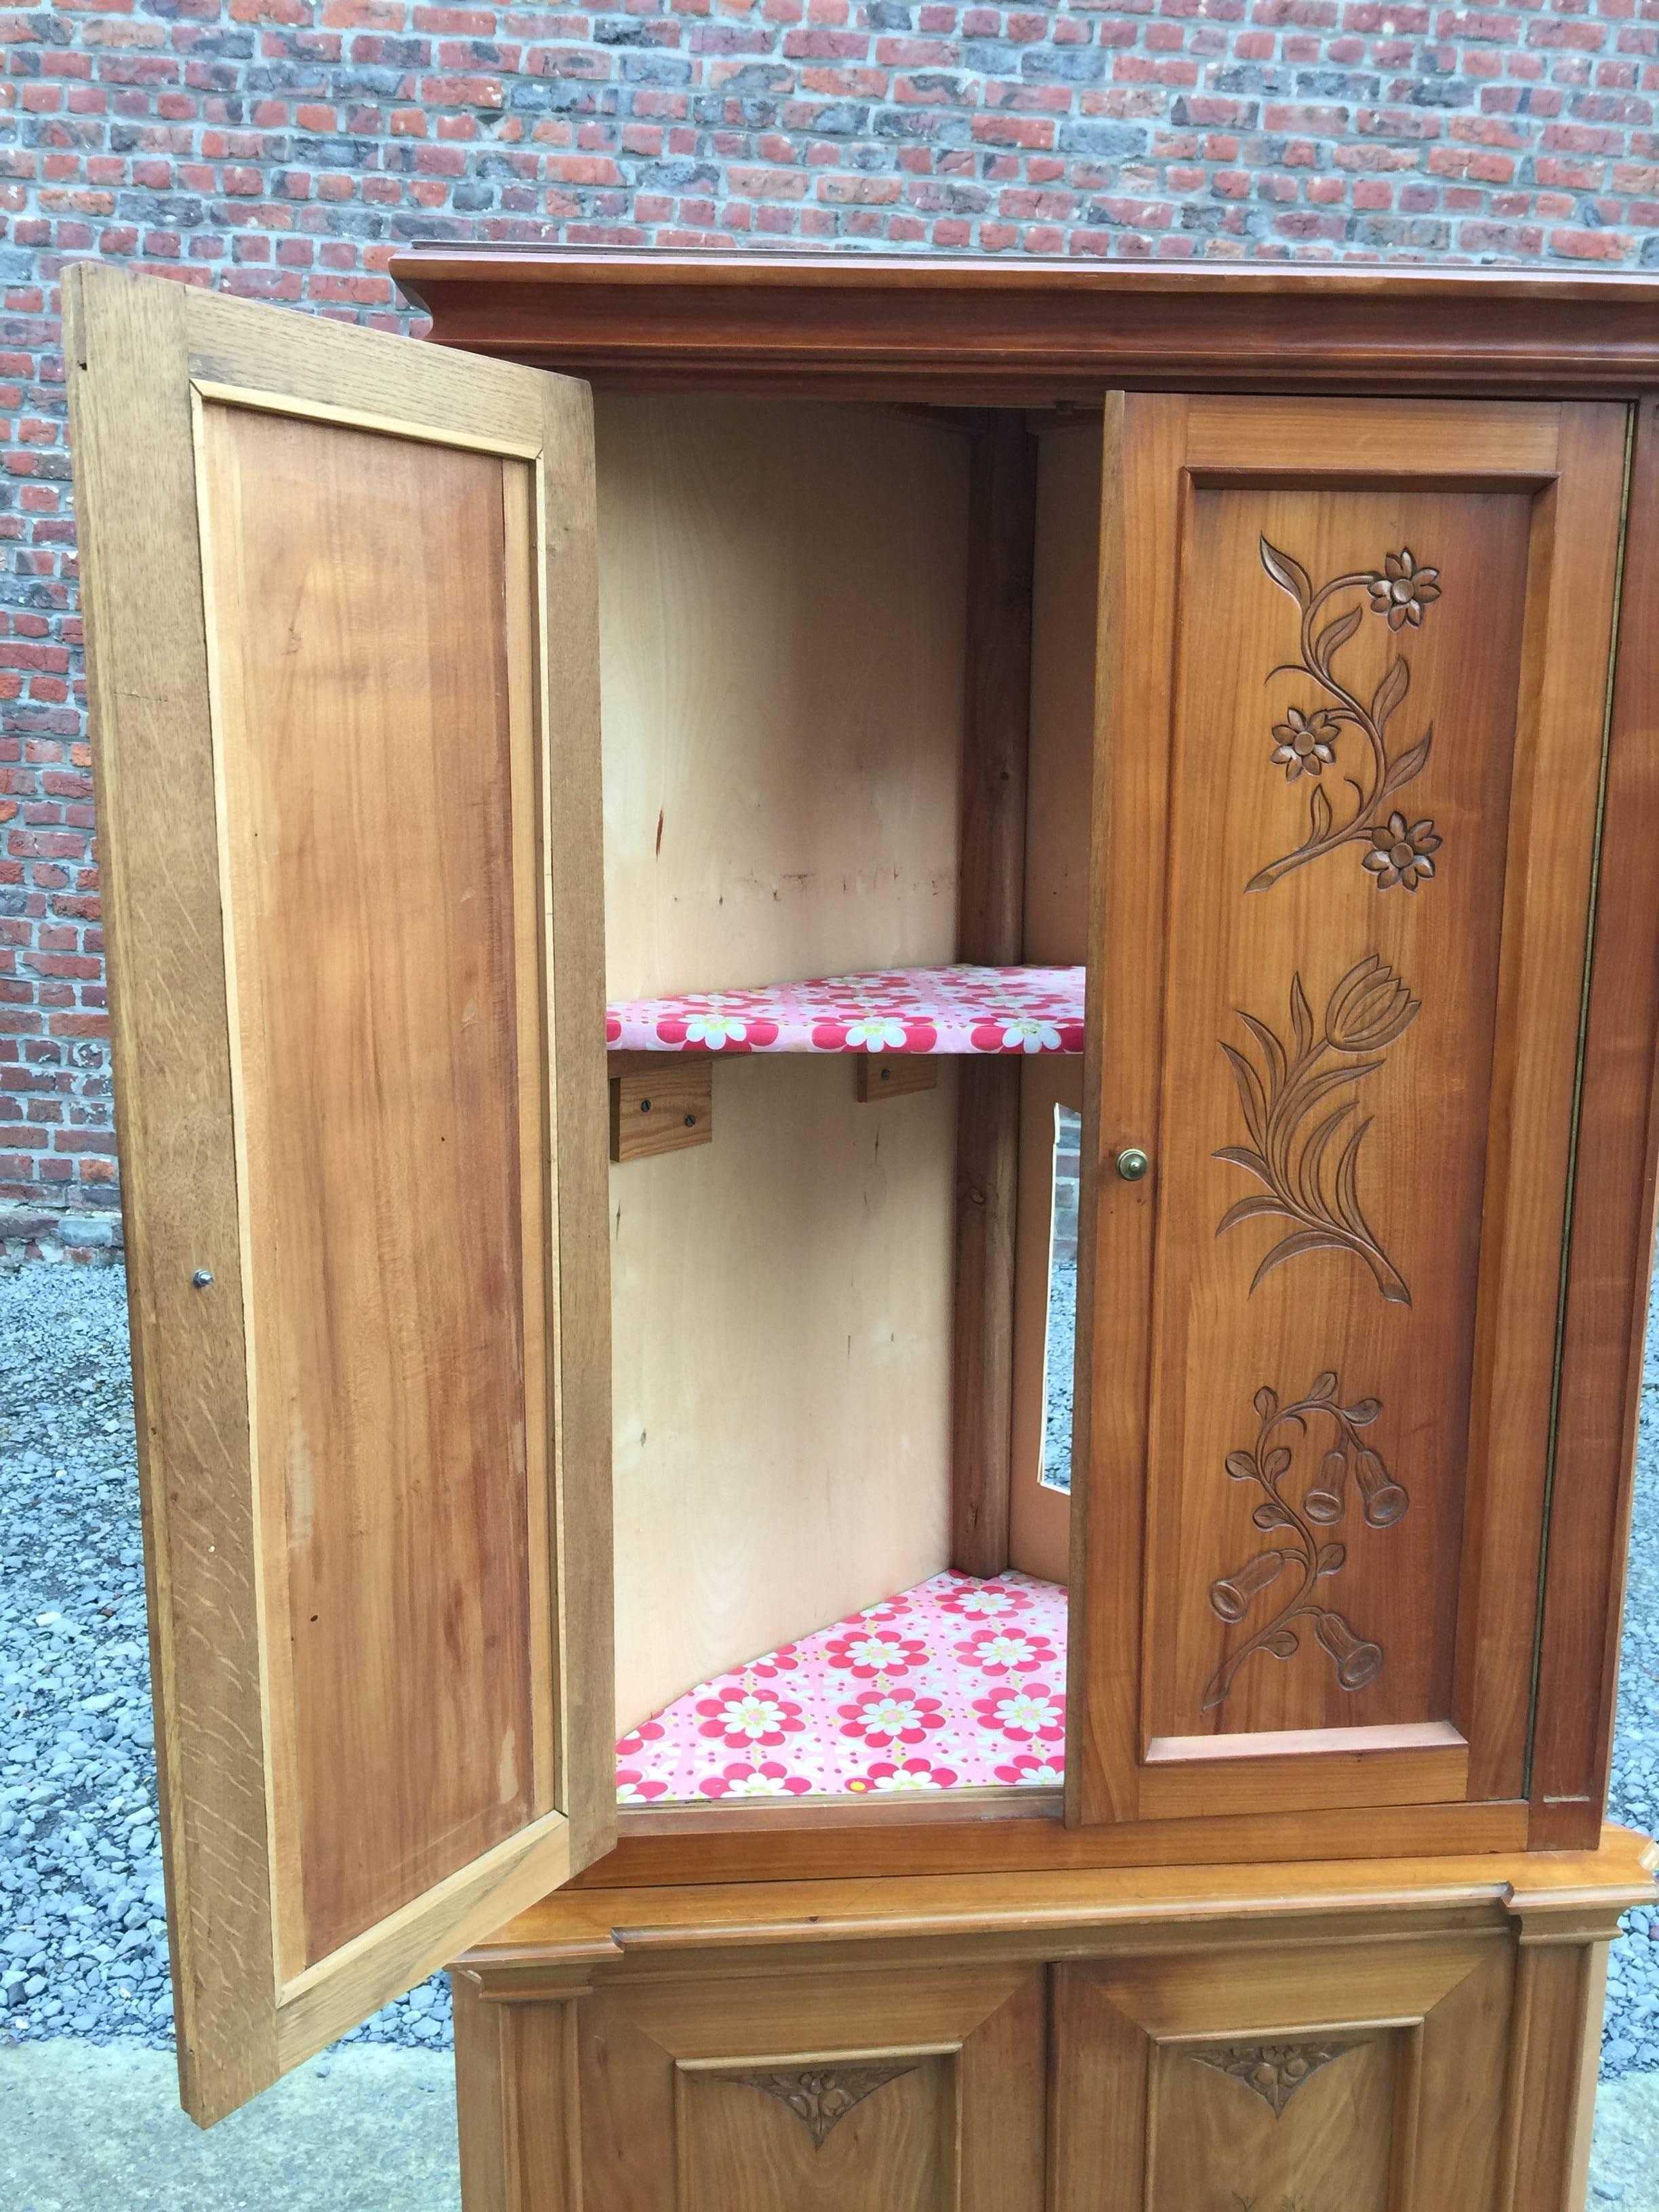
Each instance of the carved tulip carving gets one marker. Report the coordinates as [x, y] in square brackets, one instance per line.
[1292, 1136]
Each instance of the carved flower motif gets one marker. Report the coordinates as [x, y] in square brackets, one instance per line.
[1305, 742]
[1403, 589]
[1400, 854]
[1369, 1007]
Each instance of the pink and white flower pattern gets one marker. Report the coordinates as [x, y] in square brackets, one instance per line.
[957, 1684]
[926, 1009]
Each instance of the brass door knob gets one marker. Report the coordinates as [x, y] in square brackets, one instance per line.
[1133, 1163]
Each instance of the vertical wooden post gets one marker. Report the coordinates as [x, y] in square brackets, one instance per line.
[990, 929]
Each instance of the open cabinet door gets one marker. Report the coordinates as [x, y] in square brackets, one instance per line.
[1353, 690]
[340, 605]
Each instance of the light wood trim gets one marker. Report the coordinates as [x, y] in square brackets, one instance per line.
[990, 930]
[1324, 1772]
[1611, 1250]
[357, 418]
[963, 1809]
[1254, 1900]
[1273, 1743]
[1554, 797]
[573, 875]
[153, 766]
[1117, 1220]
[1512, 448]
[317, 2005]
[701, 1851]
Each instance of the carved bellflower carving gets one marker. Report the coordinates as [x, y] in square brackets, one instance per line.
[1296, 1549]
[1400, 851]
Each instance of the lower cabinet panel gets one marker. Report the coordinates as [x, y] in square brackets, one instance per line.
[1338, 2079]
[816, 2093]
[1317, 2038]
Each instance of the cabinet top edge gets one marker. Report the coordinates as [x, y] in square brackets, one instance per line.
[1030, 332]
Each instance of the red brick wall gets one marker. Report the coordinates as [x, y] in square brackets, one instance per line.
[283, 151]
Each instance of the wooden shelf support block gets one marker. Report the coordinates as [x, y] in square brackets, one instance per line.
[889, 1075]
[660, 1102]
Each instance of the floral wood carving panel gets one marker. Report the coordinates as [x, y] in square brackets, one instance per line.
[1275, 2071]
[1399, 851]
[1298, 1548]
[820, 2097]
[1366, 1011]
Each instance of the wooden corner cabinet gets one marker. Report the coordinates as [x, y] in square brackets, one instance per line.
[885, 1040]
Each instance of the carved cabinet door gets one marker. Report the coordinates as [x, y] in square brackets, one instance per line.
[1354, 673]
[916, 2090]
[1323, 2077]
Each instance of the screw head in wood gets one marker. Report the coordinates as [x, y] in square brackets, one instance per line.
[201, 1278]
[1133, 1163]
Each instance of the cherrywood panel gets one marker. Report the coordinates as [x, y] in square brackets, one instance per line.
[1365, 1071]
[750, 2141]
[830, 2092]
[314, 1871]
[1002, 531]
[1612, 1246]
[1022, 332]
[373, 1030]
[1324, 960]
[1370, 2076]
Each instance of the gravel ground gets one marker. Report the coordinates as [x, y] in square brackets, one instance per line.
[83, 1934]
[1630, 2042]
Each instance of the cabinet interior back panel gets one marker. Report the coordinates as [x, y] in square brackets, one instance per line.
[783, 604]
[381, 988]
[782, 623]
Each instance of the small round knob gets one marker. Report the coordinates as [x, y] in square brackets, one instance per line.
[1133, 1163]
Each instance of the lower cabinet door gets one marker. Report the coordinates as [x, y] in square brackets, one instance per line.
[1365, 2077]
[912, 2090]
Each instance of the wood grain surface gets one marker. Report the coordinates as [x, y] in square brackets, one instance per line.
[375, 1494]
[1393, 1033]
[1022, 331]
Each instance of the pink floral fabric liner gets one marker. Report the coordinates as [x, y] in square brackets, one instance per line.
[933, 1010]
[956, 1684]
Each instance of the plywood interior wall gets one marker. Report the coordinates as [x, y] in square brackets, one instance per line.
[782, 621]
[782, 603]
[1056, 923]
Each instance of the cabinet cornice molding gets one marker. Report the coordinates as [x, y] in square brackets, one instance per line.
[1034, 333]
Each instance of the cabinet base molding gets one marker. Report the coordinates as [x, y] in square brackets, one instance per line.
[1331, 2037]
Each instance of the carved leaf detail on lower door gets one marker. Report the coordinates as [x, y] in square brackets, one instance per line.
[1296, 1546]
[1364, 1015]
[1275, 2071]
[820, 2096]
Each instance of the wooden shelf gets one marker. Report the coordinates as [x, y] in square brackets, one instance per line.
[1001, 1011]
